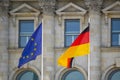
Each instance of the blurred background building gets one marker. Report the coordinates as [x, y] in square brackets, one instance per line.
[62, 21]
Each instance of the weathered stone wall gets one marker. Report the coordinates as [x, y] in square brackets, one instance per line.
[3, 40]
[102, 54]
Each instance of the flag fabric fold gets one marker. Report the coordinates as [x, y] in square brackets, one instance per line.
[33, 48]
[69, 62]
[79, 47]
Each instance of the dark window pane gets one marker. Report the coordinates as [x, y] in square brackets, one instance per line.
[115, 75]
[115, 24]
[23, 41]
[72, 26]
[115, 29]
[26, 33]
[26, 25]
[27, 75]
[68, 41]
[115, 39]
[73, 75]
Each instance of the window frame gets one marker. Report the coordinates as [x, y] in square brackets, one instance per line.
[113, 33]
[110, 12]
[70, 34]
[16, 71]
[24, 71]
[17, 28]
[69, 71]
[112, 73]
[109, 41]
[81, 18]
[109, 71]
[19, 35]
[63, 70]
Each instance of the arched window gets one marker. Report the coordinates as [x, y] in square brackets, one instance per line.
[72, 74]
[27, 75]
[114, 75]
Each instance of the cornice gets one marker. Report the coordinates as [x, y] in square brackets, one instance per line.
[32, 11]
[80, 10]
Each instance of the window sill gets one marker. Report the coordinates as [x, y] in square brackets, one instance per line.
[15, 50]
[110, 49]
[23, 0]
[61, 48]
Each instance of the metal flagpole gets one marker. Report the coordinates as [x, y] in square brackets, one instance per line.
[88, 66]
[42, 54]
[89, 53]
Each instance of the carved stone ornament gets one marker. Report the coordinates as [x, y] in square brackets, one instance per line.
[94, 5]
[48, 6]
[3, 10]
[4, 6]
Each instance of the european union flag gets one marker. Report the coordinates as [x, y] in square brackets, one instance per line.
[33, 47]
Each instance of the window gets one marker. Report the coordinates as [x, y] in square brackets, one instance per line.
[26, 28]
[72, 30]
[27, 75]
[73, 74]
[114, 75]
[115, 38]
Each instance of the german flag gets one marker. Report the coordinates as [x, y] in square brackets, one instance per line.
[80, 47]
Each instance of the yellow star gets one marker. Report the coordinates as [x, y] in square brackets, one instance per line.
[32, 54]
[34, 49]
[27, 56]
[35, 44]
[32, 39]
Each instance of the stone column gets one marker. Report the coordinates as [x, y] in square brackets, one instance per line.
[48, 38]
[95, 35]
[3, 40]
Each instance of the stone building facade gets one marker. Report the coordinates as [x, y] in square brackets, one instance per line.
[103, 63]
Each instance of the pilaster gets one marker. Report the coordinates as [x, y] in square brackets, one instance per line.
[95, 24]
[48, 20]
[4, 39]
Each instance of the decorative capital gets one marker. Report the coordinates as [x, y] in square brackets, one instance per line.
[48, 6]
[4, 5]
[94, 5]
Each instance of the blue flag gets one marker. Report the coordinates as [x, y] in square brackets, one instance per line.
[33, 47]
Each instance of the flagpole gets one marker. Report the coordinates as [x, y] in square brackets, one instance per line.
[89, 54]
[42, 54]
[88, 66]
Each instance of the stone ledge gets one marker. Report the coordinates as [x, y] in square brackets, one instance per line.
[15, 50]
[61, 48]
[23, 0]
[110, 49]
